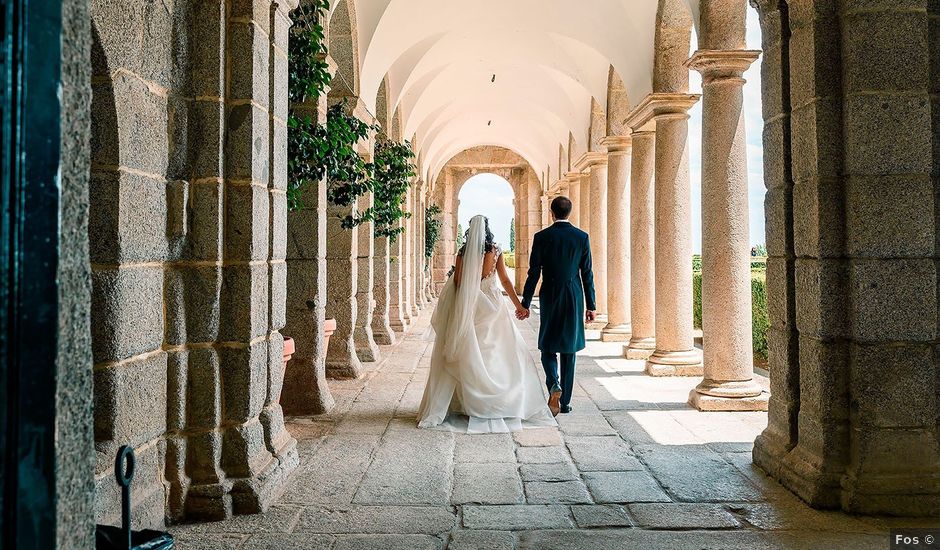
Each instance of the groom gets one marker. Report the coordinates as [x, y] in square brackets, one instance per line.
[561, 253]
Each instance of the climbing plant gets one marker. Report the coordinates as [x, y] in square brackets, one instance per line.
[308, 78]
[393, 170]
[432, 229]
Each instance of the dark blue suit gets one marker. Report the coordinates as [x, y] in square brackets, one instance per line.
[561, 255]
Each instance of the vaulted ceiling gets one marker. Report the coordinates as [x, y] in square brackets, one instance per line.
[520, 74]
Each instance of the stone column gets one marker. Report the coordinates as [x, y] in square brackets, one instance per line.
[598, 233]
[415, 249]
[381, 270]
[342, 274]
[573, 192]
[366, 348]
[852, 176]
[675, 353]
[305, 389]
[407, 281]
[618, 327]
[584, 208]
[520, 246]
[396, 282]
[728, 357]
[642, 231]
[546, 210]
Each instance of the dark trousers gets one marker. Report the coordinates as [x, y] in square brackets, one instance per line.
[550, 364]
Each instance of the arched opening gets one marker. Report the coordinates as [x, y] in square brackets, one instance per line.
[492, 196]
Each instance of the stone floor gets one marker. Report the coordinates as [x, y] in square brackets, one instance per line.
[633, 466]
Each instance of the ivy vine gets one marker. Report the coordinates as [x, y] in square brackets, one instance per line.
[309, 73]
[394, 169]
[432, 229]
[308, 78]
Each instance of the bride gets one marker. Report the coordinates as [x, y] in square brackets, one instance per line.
[482, 377]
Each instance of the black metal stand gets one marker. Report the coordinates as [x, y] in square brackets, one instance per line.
[109, 537]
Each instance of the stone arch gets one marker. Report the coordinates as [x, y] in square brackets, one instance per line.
[598, 129]
[497, 160]
[343, 45]
[618, 104]
[672, 42]
[575, 150]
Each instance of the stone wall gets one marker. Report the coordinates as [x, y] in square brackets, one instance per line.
[187, 237]
[74, 469]
[851, 164]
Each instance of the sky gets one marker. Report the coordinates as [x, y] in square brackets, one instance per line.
[492, 196]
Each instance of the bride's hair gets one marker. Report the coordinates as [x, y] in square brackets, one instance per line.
[489, 243]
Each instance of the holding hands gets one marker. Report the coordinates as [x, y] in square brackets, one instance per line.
[522, 313]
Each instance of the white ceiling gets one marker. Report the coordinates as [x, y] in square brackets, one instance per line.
[549, 58]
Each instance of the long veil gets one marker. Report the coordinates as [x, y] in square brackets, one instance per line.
[465, 296]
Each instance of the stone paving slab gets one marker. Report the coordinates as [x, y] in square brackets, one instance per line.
[481, 540]
[693, 473]
[602, 454]
[538, 437]
[278, 519]
[484, 448]
[542, 455]
[600, 515]
[513, 518]
[209, 542]
[556, 492]
[409, 467]
[292, 541]
[430, 520]
[333, 477]
[632, 539]
[561, 471]
[387, 542]
[487, 484]
[584, 424]
[612, 487]
[682, 515]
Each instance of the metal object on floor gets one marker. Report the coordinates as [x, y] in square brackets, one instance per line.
[109, 537]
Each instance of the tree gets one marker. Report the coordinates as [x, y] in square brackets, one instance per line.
[512, 235]
[459, 236]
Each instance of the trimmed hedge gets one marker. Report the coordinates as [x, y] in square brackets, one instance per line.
[760, 322]
[510, 259]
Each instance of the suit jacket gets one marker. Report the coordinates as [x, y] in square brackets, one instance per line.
[561, 255]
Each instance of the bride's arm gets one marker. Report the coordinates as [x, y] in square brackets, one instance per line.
[507, 284]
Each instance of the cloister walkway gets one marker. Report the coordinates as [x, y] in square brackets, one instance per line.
[632, 467]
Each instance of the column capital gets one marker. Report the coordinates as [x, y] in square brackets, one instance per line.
[590, 159]
[722, 64]
[660, 105]
[616, 144]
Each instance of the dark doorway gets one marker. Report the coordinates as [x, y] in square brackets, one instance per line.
[29, 238]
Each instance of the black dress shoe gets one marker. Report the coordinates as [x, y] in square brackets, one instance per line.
[565, 409]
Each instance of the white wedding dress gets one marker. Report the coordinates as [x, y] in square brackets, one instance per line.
[482, 377]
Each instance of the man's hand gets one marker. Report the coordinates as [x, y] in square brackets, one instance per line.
[590, 316]
[522, 313]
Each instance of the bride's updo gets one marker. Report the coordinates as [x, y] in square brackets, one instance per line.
[489, 243]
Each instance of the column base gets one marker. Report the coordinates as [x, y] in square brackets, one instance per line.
[675, 363]
[401, 326]
[366, 348]
[600, 321]
[347, 367]
[384, 336]
[617, 333]
[704, 402]
[640, 348]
